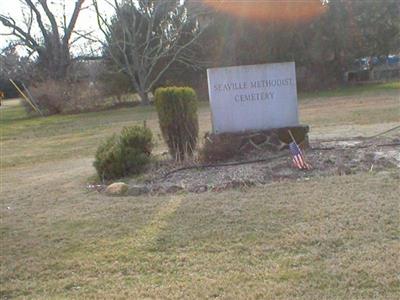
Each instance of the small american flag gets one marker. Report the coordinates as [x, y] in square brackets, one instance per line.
[298, 157]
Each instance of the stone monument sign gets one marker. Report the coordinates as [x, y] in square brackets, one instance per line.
[255, 97]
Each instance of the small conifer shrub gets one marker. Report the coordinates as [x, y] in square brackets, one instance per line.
[124, 154]
[177, 114]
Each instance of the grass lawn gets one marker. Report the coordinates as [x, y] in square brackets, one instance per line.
[326, 238]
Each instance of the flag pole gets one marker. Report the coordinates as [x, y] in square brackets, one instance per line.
[291, 135]
[301, 153]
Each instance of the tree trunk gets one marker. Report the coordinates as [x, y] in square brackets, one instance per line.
[144, 98]
[54, 62]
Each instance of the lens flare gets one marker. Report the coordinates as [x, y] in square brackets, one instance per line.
[287, 11]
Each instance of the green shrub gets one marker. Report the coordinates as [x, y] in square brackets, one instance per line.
[123, 155]
[177, 114]
[136, 143]
[108, 160]
[137, 137]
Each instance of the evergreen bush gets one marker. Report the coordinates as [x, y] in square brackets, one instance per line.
[177, 114]
[126, 154]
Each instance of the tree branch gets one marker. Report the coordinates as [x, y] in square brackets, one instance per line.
[19, 32]
[38, 19]
[87, 58]
[72, 22]
[51, 18]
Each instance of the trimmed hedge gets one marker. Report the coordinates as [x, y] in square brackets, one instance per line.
[126, 154]
[177, 114]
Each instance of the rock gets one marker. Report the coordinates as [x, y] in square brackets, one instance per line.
[247, 147]
[198, 189]
[274, 140]
[137, 190]
[117, 189]
[156, 189]
[172, 189]
[258, 138]
[166, 188]
[271, 147]
[232, 185]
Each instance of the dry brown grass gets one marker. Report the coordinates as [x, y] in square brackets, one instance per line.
[326, 238]
[329, 238]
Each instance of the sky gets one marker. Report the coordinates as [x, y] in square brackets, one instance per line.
[86, 22]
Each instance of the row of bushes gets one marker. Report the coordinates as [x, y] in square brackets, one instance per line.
[55, 97]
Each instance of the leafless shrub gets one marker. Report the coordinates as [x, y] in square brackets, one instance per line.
[55, 97]
[50, 96]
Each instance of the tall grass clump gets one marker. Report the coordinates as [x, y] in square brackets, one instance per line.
[177, 115]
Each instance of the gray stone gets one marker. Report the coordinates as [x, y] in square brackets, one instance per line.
[137, 190]
[233, 185]
[166, 188]
[172, 189]
[198, 189]
[117, 189]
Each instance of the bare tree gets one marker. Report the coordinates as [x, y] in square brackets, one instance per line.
[53, 46]
[145, 37]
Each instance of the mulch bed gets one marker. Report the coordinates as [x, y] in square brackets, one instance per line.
[327, 158]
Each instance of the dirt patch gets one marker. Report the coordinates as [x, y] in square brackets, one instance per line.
[326, 157]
